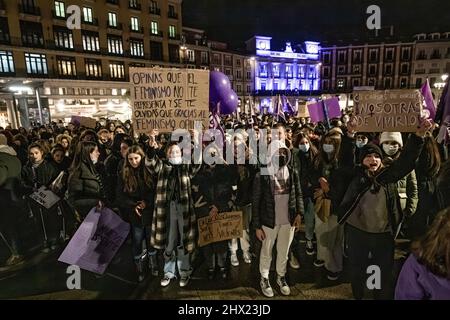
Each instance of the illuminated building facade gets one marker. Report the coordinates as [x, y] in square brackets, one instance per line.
[293, 73]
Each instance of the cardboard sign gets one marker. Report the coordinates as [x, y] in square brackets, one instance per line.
[45, 197]
[225, 226]
[302, 111]
[387, 111]
[85, 121]
[169, 99]
[96, 241]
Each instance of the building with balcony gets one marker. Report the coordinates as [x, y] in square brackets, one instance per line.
[49, 71]
[293, 72]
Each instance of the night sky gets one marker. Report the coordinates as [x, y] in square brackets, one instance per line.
[235, 21]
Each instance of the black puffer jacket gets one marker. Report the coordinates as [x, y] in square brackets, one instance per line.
[85, 189]
[263, 204]
[388, 178]
[43, 175]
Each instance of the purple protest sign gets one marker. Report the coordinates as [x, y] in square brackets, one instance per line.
[96, 241]
[429, 108]
[316, 110]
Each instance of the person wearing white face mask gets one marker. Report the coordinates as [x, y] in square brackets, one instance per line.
[392, 144]
[174, 225]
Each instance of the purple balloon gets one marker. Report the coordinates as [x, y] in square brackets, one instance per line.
[218, 83]
[228, 102]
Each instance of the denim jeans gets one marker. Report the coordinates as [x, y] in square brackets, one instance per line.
[138, 236]
[174, 254]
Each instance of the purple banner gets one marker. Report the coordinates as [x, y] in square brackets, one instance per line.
[96, 241]
[316, 110]
[430, 108]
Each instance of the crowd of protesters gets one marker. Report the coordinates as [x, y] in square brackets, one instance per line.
[355, 193]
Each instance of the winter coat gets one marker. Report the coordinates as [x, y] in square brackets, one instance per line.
[388, 178]
[43, 175]
[112, 168]
[306, 167]
[127, 200]
[10, 170]
[85, 189]
[263, 203]
[245, 176]
[10, 166]
[162, 170]
[408, 193]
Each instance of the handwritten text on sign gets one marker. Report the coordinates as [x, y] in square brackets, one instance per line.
[169, 99]
[225, 226]
[390, 110]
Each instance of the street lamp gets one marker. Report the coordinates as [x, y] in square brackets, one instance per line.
[444, 77]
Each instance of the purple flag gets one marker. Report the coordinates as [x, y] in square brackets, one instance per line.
[316, 110]
[96, 241]
[430, 108]
[443, 116]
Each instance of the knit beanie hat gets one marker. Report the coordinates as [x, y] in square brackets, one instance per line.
[391, 136]
[368, 149]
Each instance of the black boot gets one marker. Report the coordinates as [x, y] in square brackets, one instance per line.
[153, 264]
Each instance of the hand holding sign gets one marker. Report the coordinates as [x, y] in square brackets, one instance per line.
[425, 126]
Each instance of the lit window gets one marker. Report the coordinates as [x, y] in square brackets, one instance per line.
[134, 24]
[91, 42]
[63, 38]
[60, 11]
[154, 27]
[36, 63]
[66, 66]
[93, 69]
[340, 83]
[6, 62]
[87, 14]
[115, 45]
[112, 19]
[137, 48]
[116, 70]
[172, 32]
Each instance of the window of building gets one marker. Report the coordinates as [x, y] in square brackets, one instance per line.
[249, 75]
[228, 72]
[405, 53]
[36, 63]
[325, 85]
[389, 54]
[418, 82]
[302, 71]
[239, 88]
[87, 15]
[357, 56]
[190, 55]
[341, 83]
[238, 62]
[404, 68]
[134, 23]
[154, 7]
[289, 71]
[373, 55]
[421, 55]
[137, 47]
[66, 66]
[436, 54]
[263, 70]
[239, 74]
[134, 4]
[93, 68]
[403, 83]
[4, 30]
[341, 70]
[156, 51]
[387, 83]
[112, 19]
[154, 27]
[276, 70]
[204, 57]
[32, 33]
[341, 56]
[6, 62]
[227, 60]
[172, 32]
[356, 69]
[326, 72]
[327, 57]
[372, 70]
[63, 38]
[116, 70]
[371, 82]
[174, 53]
[355, 82]
[172, 13]
[115, 45]
[90, 41]
[60, 10]
[216, 59]
[388, 69]
[249, 89]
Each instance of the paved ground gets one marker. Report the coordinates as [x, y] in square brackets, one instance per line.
[43, 277]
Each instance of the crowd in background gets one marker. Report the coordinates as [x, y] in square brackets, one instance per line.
[354, 192]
